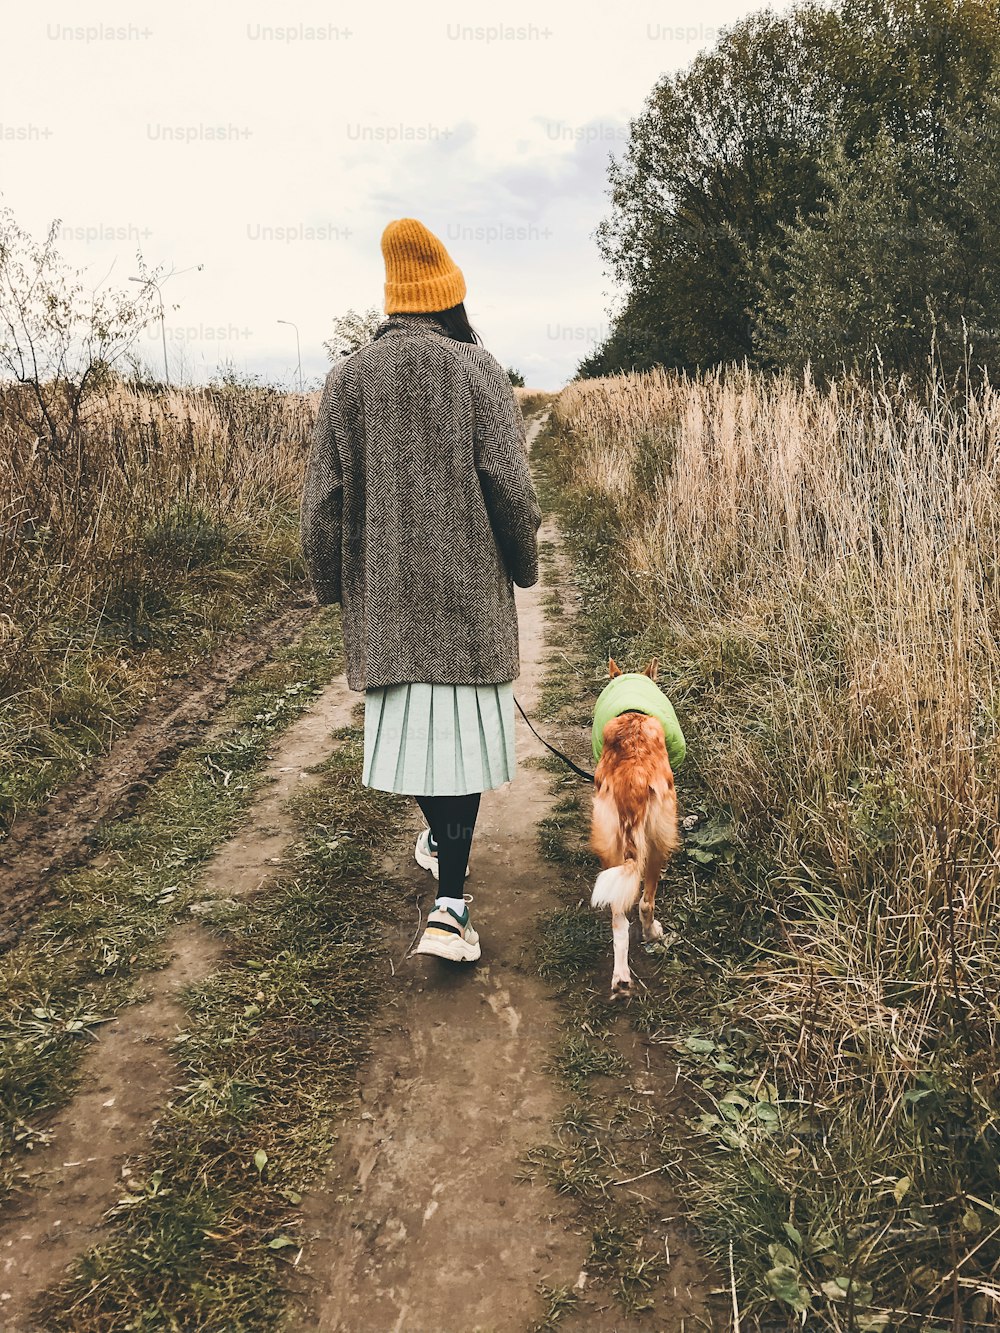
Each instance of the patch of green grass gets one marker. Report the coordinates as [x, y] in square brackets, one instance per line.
[580, 1058]
[268, 1060]
[570, 941]
[562, 832]
[626, 1256]
[576, 1169]
[558, 1301]
[82, 958]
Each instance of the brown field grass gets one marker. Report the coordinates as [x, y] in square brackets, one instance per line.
[533, 400]
[818, 571]
[127, 543]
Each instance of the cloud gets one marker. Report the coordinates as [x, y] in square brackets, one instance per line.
[273, 144]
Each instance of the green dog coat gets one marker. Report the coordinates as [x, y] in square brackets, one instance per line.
[633, 690]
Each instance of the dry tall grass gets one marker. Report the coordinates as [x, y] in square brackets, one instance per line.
[820, 571]
[163, 517]
[533, 400]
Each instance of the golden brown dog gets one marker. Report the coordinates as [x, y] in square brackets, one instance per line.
[634, 825]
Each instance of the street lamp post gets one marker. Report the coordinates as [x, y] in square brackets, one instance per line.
[298, 349]
[151, 282]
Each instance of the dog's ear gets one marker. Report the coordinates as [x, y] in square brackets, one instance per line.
[652, 668]
[613, 668]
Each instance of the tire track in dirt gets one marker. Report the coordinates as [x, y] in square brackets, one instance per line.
[128, 1075]
[60, 836]
[81, 1171]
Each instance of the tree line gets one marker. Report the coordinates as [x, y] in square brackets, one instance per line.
[819, 189]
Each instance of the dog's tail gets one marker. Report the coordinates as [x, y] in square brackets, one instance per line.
[618, 887]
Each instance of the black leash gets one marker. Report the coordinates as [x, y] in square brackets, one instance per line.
[580, 772]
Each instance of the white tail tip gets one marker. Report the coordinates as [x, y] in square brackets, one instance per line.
[617, 888]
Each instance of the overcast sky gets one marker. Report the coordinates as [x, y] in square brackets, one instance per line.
[272, 143]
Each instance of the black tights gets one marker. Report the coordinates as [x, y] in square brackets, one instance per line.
[452, 820]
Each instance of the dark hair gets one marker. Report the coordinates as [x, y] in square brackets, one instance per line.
[455, 323]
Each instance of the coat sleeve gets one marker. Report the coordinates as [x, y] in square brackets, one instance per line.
[321, 518]
[502, 465]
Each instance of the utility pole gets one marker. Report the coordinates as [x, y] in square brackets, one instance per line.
[298, 349]
[151, 282]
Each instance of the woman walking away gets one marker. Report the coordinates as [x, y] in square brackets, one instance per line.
[419, 516]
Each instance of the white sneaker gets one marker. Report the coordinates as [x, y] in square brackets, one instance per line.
[448, 935]
[425, 856]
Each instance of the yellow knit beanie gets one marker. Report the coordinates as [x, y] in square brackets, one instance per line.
[420, 274]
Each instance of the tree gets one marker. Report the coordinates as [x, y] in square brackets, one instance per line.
[722, 154]
[515, 377]
[812, 190]
[60, 341]
[976, 141]
[351, 331]
[869, 278]
[902, 260]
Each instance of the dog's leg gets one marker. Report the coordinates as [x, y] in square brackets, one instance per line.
[651, 928]
[621, 982]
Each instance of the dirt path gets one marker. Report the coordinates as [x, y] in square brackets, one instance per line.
[425, 1223]
[128, 1074]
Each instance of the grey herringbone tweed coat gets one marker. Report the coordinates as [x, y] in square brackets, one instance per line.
[418, 511]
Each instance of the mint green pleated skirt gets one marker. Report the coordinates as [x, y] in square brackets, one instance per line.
[439, 740]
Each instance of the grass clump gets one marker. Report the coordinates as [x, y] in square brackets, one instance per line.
[559, 1302]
